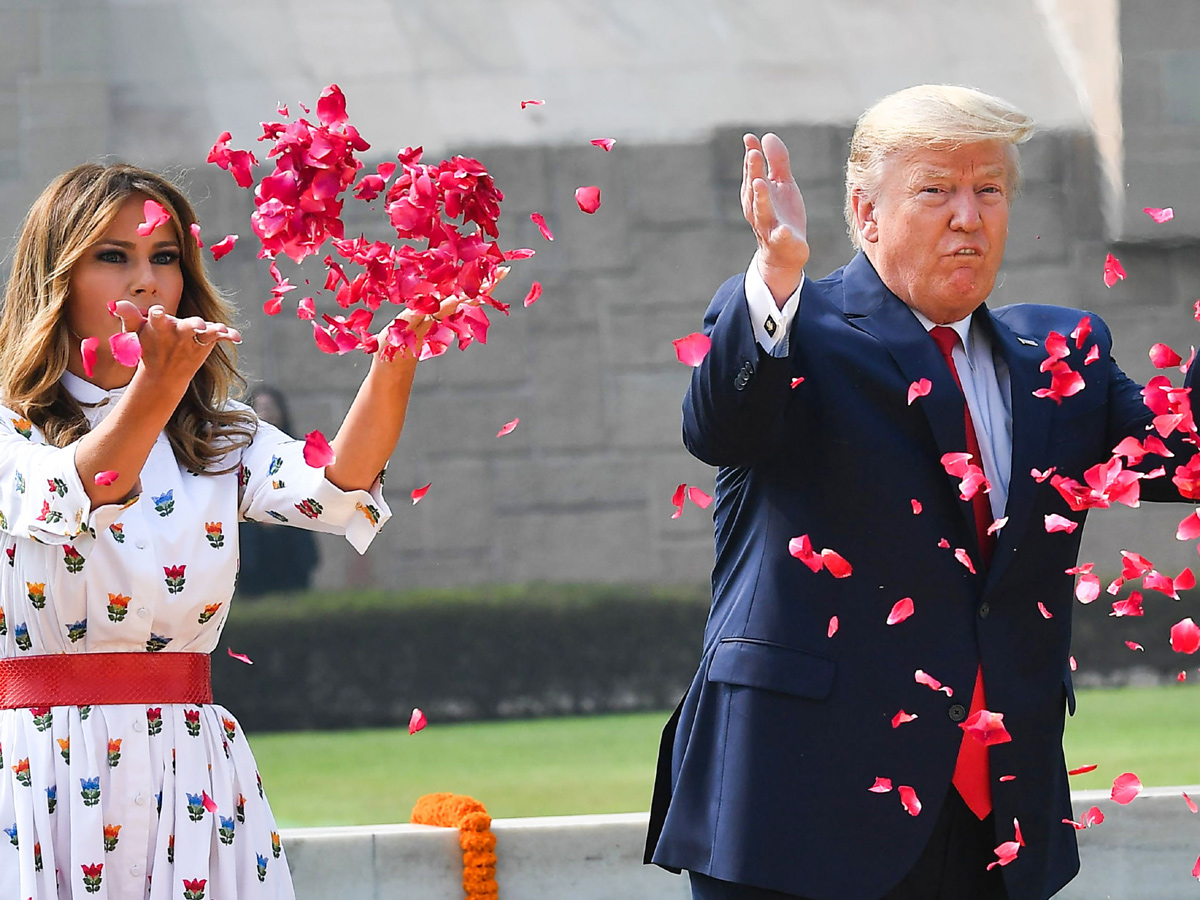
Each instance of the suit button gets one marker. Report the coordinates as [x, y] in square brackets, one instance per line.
[984, 610]
[957, 712]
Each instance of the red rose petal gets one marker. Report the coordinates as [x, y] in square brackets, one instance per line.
[106, 478]
[1125, 788]
[692, 349]
[1185, 636]
[87, 350]
[1093, 354]
[1189, 528]
[154, 214]
[126, 348]
[535, 292]
[525, 103]
[1039, 477]
[1163, 357]
[997, 525]
[833, 626]
[919, 388]
[508, 428]
[1191, 804]
[1083, 770]
[1134, 645]
[418, 494]
[801, 548]
[195, 229]
[209, 803]
[1160, 216]
[416, 721]
[796, 382]
[606, 144]
[1081, 332]
[836, 564]
[331, 106]
[916, 507]
[909, 800]
[699, 497]
[222, 247]
[241, 657]
[902, 717]
[963, 557]
[588, 199]
[677, 500]
[1046, 614]
[987, 727]
[922, 677]
[317, 452]
[306, 309]
[1130, 606]
[1113, 270]
[944, 544]
[881, 786]
[1008, 778]
[540, 221]
[901, 610]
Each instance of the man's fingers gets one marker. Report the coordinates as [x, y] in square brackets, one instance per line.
[779, 164]
[764, 209]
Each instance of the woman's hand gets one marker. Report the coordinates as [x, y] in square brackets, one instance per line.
[173, 349]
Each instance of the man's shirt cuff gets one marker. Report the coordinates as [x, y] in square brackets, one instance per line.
[771, 324]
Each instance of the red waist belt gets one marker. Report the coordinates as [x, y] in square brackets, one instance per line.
[87, 679]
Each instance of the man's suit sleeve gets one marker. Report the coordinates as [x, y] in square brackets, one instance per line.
[737, 397]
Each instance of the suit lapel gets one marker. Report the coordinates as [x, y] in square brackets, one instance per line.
[1031, 418]
[876, 310]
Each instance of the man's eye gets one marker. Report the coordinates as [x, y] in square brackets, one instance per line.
[931, 190]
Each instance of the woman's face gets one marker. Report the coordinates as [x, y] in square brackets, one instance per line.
[121, 265]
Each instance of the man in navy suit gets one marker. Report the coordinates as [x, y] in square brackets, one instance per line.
[884, 719]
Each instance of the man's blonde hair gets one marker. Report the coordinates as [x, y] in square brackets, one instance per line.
[933, 116]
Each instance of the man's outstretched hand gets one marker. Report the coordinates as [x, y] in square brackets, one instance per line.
[774, 207]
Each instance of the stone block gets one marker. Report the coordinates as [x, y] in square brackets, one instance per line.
[688, 560]
[321, 861]
[588, 242]
[445, 422]
[1052, 283]
[20, 44]
[77, 44]
[459, 515]
[567, 406]
[639, 335]
[646, 407]
[582, 483]
[1158, 25]
[683, 267]
[1042, 157]
[1172, 180]
[817, 151]
[602, 546]
[670, 184]
[1143, 93]
[416, 862]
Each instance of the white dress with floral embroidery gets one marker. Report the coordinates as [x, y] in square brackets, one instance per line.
[107, 802]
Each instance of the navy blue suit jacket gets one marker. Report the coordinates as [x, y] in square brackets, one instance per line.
[764, 770]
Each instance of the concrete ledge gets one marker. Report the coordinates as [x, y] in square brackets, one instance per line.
[1144, 851]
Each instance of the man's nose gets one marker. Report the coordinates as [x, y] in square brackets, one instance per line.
[965, 211]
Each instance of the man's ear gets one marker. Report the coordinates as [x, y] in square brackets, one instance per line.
[864, 216]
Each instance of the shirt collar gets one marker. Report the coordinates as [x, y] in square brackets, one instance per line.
[96, 401]
[962, 327]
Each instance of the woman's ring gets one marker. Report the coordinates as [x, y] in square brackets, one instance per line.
[196, 338]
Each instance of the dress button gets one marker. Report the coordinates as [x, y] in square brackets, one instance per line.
[140, 798]
[984, 610]
[143, 612]
[957, 712]
[141, 545]
[135, 869]
[139, 726]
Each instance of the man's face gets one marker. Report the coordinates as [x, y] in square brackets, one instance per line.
[936, 230]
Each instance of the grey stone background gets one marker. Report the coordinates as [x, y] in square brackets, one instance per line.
[581, 490]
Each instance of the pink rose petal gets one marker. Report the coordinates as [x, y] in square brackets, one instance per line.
[1196, 869]
[1134, 645]
[909, 800]
[317, 452]
[1008, 778]
[833, 626]
[692, 349]
[126, 348]
[901, 610]
[87, 350]
[916, 507]
[699, 497]
[902, 717]
[306, 309]
[919, 389]
[416, 721]
[155, 214]
[195, 229]
[1113, 270]
[944, 544]
[241, 657]
[801, 548]
[418, 494]
[508, 428]
[535, 292]
[588, 199]
[1081, 332]
[525, 103]
[209, 803]
[106, 478]
[606, 144]
[796, 382]
[1189, 528]
[1046, 614]
[540, 221]
[1039, 477]
[1165, 214]
[1185, 636]
[997, 525]
[677, 500]
[1055, 522]
[331, 106]
[921, 677]
[881, 786]
[1191, 804]
[965, 558]
[1093, 354]
[1125, 788]
[1130, 606]
[222, 247]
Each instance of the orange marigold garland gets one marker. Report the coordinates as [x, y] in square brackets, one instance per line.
[474, 836]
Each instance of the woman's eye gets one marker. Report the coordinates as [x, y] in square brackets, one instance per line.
[165, 258]
[110, 256]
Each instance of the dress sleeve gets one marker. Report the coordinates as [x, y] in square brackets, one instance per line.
[276, 484]
[41, 494]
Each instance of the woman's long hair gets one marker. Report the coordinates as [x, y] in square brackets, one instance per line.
[71, 215]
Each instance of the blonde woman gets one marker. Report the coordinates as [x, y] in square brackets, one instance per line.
[120, 493]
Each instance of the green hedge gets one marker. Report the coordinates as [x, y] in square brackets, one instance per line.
[366, 658]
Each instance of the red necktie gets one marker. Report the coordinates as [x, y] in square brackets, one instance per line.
[972, 774]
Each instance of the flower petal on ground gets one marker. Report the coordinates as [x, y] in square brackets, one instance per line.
[692, 349]
[317, 452]
[508, 428]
